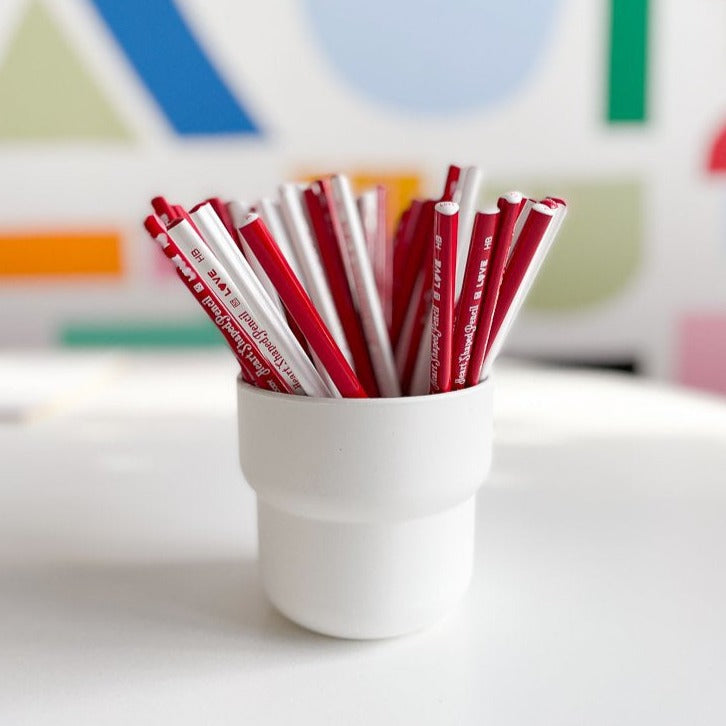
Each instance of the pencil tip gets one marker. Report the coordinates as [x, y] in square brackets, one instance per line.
[490, 209]
[543, 209]
[447, 208]
[513, 197]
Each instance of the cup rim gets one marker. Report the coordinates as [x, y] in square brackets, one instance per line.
[378, 400]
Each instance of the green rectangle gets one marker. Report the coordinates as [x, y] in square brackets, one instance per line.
[628, 69]
[140, 335]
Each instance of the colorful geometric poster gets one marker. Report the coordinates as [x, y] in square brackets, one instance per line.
[105, 103]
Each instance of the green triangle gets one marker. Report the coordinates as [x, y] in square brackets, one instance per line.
[45, 91]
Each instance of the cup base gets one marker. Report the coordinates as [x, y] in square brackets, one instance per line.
[366, 580]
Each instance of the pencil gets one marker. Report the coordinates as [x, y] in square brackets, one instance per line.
[446, 220]
[509, 206]
[300, 306]
[472, 291]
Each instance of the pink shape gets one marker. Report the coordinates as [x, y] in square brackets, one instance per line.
[717, 156]
[702, 351]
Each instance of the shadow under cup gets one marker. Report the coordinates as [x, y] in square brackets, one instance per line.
[365, 506]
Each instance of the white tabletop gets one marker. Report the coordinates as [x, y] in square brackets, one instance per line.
[129, 591]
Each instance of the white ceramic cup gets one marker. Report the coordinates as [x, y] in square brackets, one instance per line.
[365, 506]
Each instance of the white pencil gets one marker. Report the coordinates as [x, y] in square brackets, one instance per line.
[271, 215]
[368, 210]
[235, 270]
[519, 224]
[238, 211]
[314, 280]
[467, 195]
[360, 277]
[373, 215]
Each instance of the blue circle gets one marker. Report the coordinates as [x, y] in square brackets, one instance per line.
[433, 56]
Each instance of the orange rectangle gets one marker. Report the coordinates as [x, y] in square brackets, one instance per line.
[86, 253]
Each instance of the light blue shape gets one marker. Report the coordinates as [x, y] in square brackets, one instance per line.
[434, 56]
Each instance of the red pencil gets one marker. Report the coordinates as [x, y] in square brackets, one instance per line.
[535, 247]
[216, 205]
[399, 241]
[446, 226]
[538, 220]
[163, 210]
[509, 206]
[319, 210]
[255, 368]
[412, 266]
[301, 308]
[413, 258]
[451, 183]
[402, 241]
[482, 236]
[418, 263]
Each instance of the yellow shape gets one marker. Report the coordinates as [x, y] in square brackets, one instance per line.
[401, 186]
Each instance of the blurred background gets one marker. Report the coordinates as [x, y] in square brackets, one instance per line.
[619, 106]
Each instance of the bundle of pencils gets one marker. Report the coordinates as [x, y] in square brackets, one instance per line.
[315, 298]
